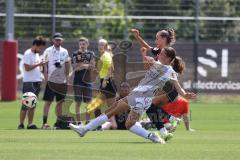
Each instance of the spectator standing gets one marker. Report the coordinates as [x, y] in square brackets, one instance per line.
[56, 74]
[32, 78]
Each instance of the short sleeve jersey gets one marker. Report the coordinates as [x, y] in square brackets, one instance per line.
[53, 55]
[35, 74]
[155, 79]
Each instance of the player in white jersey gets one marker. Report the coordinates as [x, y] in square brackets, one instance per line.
[140, 99]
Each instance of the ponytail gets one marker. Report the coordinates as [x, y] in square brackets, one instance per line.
[172, 37]
[178, 65]
[176, 62]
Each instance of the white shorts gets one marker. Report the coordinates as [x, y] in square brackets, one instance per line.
[139, 104]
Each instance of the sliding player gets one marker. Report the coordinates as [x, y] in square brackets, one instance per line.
[140, 99]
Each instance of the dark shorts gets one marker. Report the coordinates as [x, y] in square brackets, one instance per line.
[33, 87]
[82, 90]
[55, 90]
[121, 119]
[110, 90]
[156, 115]
[82, 93]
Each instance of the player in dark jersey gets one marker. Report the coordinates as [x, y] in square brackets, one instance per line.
[83, 61]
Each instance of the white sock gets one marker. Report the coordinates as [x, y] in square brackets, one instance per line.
[93, 124]
[138, 130]
[163, 130]
[106, 125]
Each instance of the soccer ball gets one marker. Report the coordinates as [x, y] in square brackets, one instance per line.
[29, 100]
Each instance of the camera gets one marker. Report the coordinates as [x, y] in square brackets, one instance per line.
[58, 65]
[156, 51]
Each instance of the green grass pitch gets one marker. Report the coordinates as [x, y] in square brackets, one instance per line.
[217, 137]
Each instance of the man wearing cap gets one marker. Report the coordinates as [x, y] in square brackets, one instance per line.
[56, 75]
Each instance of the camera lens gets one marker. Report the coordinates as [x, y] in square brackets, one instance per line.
[156, 51]
[57, 65]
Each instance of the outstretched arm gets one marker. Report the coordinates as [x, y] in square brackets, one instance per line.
[142, 42]
[147, 61]
[181, 91]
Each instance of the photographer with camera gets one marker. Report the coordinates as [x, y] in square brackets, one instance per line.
[56, 76]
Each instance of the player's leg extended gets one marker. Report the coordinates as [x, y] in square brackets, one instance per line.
[82, 130]
[121, 106]
[136, 128]
[156, 115]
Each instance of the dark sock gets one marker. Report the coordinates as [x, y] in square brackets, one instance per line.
[45, 119]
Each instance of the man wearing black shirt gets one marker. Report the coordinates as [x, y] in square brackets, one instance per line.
[82, 61]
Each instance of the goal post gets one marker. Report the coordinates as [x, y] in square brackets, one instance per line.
[9, 71]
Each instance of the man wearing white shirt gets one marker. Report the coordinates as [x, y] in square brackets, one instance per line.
[32, 78]
[56, 74]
